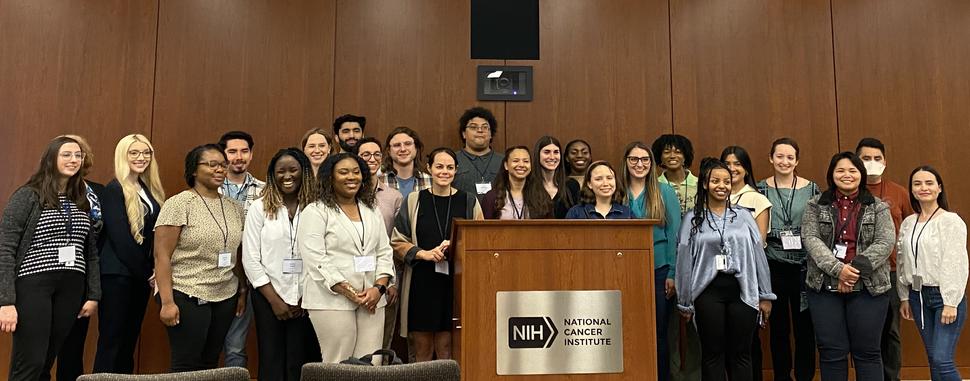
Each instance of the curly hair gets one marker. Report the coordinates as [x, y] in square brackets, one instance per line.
[328, 196]
[708, 164]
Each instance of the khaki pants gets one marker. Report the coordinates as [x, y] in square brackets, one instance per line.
[343, 334]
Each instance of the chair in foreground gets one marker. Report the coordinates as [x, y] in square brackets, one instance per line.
[219, 374]
[438, 370]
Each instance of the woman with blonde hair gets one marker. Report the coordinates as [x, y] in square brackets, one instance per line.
[130, 203]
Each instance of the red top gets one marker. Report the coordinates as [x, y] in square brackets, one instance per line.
[898, 199]
[847, 223]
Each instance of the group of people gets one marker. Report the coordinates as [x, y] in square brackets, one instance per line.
[346, 237]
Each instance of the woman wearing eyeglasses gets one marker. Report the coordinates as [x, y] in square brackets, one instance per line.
[48, 259]
[647, 198]
[131, 203]
[199, 276]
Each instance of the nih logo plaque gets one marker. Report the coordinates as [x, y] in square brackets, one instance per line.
[558, 332]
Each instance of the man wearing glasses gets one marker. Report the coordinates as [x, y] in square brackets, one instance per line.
[477, 163]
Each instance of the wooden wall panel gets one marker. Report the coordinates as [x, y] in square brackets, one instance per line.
[902, 77]
[71, 67]
[747, 72]
[260, 66]
[604, 76]
[407, 63]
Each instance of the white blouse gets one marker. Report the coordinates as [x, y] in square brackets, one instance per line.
[266, 243]
[942, 258]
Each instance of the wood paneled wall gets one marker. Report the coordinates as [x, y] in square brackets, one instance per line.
[741, 72]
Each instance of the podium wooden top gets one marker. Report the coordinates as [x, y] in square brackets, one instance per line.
[493, 235]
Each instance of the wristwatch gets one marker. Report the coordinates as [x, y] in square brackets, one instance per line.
[381, 288]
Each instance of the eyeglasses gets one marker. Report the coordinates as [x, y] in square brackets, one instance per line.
[482, 128]
[136, 154]
[633, 160]
[215, 164]
[407, 144]
[368, 155]
[68, 155]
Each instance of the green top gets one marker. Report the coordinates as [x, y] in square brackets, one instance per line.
[686, 191]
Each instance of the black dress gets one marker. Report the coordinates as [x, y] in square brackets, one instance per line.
[432, 294]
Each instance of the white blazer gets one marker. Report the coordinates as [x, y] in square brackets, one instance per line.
[328, 243]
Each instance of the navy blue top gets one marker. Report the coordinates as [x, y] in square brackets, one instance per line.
[588, 212]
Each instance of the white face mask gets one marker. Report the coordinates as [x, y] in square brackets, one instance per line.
[874, 168]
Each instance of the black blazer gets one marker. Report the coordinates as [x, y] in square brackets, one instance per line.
[121, 254]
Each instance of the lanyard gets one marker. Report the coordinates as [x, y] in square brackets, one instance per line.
[473, 159]
[914, 244]
[225, 233]
[720, 231]
[66, 212]
[840, 229]
[293, 229]
[437, 220]
[786, 213]
[516, 212]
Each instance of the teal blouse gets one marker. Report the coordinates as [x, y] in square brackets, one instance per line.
[786, 215]
[664, 236]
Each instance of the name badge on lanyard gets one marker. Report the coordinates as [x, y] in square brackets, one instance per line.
[441, 267]
[720, 262]
[292, 266]
[791, 241]
[839, 250]
[66, 255]
[483, 187]
[366, 263]
[225, 259]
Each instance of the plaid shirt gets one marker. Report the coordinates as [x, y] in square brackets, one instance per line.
[245, 193]
[389, 178]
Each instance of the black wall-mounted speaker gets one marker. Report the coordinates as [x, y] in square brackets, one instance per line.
[505, 29]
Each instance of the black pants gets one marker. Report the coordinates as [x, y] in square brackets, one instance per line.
[725, 326]
[284, 345]
[70, 359]
[787, 281]
[849, 323]
[197, 340]
[47, 308]
[120, 315]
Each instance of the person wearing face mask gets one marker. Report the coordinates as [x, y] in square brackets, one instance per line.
[131, 203]
[402, 169]
[317, 145]
[873, 154]
[786, 259]
[933, 271]
[49, 270]
[347, 258]
[348, 130]
[273, 264]
[723, 280]
[422, 230]
[676, 154]
[201, 285]
[848, 234]
[647, 198]
[516, 195]
[601, 197]
[477, 163]
[388, 202]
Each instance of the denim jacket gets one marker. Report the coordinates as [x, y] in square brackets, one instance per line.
[876, 236]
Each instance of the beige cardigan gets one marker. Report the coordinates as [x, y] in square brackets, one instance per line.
[403, 240]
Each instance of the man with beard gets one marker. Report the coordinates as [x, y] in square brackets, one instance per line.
[477, 163]
[349, 129]
[243, 187]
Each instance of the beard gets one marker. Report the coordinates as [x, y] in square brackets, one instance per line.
[347, 147]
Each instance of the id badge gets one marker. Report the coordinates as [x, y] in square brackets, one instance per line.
[225, 259]
[483, 188]
[839, 250]
[720, 262]
[917, 283]
[791, 241]
[441, 267]
[365, 263]
[292, 266]
[66, 255]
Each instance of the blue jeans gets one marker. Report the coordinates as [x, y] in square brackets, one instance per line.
[848, 324]
[663, 313]
[235, 345]
[939, 339]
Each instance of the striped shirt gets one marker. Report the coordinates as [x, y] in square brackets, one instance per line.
[53, 232]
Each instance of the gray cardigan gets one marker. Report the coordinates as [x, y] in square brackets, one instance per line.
[875, 240]
[16, 232]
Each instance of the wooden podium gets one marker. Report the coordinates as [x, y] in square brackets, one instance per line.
[552, 255]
